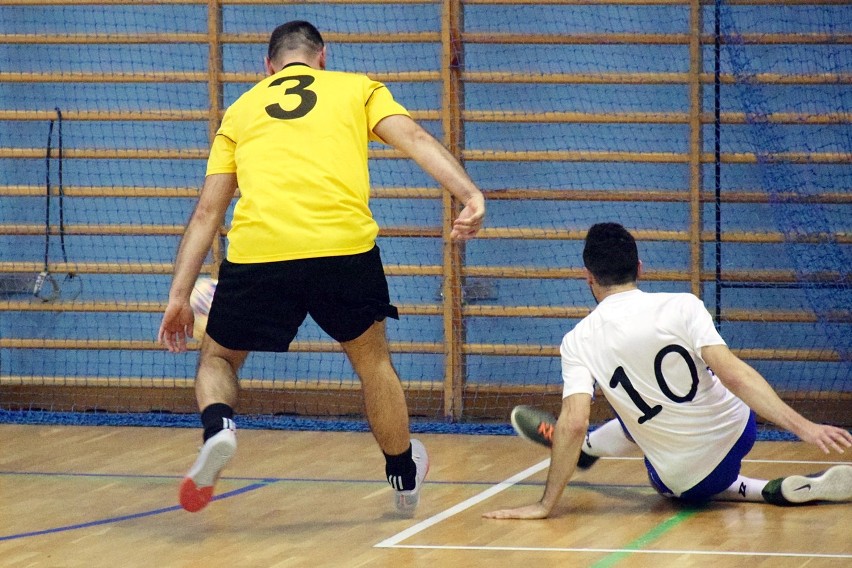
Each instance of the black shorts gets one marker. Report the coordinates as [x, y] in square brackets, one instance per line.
[259, 307]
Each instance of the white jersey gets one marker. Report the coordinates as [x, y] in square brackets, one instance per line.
[643, 349]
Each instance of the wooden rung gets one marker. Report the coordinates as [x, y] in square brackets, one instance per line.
[781, 158]
[246, 383]
[384, 77]
[804, 38]
[83, 382]
[82, 306]
[105, 229]
[173, 38]
[785, 316]
[97, 2]
[430, 37]
[727, 276]
[431, 76]
[146, 345]
[706, 236]
[517, 272]
[650, 78]
[87, 77]
[176, 230]
[653, 157]
[87, 306]
[191, 192]
[651, 38]
[266, 2]
[470, 155]
[149, 115]
[413, 270]
[163, 268]
[575, 117]
[100, 39]
[653, 195]
[110, 153]
[184, 77]
[773, 3]
[644, 195]
[573, 156]
[343, 37]
[575, 38]
[560, 312]
[106, 115]
[558, 117]
[472, 310]
[92, 268]
[753, 354]
[146, 154]
[485, 349]
[570, 234]
[197, 2]
[842, 238]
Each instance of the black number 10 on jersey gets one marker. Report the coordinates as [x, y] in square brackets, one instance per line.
[619, 377]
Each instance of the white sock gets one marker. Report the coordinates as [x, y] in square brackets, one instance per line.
[743, 489]
[609, 440]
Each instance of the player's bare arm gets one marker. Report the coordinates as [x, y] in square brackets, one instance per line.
[205, 221]
[750, 386]
[571, 428]
[407, 136]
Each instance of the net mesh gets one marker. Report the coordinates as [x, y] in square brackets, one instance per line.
[719, 135]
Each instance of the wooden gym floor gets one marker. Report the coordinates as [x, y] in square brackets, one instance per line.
[106, 497]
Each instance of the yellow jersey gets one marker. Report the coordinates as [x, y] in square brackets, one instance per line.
[297, 142]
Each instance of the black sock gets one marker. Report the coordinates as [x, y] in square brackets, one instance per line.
[401, 470]
[216, 418]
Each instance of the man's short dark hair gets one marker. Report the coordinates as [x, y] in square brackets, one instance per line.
[610, 254]
[297, 35]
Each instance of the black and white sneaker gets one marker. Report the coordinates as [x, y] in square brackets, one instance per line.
[406, 501]
[537, 426]
[833, 484]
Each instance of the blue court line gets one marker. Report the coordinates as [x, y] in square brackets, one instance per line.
[256, 483]
[143, 514]
[270, 480]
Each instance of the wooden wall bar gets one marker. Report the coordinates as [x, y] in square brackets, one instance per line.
[457, 400]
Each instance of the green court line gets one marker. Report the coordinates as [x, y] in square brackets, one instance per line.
[645, 539]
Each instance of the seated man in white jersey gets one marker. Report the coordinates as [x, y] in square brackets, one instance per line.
[652, 355]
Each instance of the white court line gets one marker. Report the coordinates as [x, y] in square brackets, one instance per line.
[393, 542]
[801, 462]
[435, 519]
[624, 550]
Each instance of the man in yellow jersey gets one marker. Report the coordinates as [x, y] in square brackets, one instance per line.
[302, 241]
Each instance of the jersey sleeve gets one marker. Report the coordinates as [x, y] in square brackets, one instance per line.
[700, 326]
[575, 375]
[222, 152]
[380, 104]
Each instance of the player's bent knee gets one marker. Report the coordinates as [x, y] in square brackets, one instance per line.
[212, 351]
